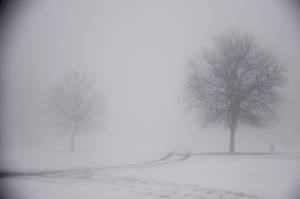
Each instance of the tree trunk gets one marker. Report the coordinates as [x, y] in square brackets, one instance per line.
[73, 140]
[232, 125]
[232, 140]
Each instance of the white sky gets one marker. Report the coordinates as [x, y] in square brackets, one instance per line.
[136, 53]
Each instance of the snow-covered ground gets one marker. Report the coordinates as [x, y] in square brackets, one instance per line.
[173, 175]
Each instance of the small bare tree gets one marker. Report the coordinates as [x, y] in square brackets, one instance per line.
[77, 105]
[236, 82]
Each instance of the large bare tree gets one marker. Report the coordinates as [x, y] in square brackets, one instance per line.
[234, 83]
[77, 105]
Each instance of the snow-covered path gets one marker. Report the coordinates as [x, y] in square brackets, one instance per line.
[173, 176]
[134, 185]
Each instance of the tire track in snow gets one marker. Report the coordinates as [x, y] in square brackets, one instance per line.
[169, 159]
[163, 159]
[149, 187]
[144, 186]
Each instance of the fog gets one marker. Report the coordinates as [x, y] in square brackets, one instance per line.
[149, 142]
[136, 53]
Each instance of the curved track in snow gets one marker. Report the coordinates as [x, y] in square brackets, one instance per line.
[139, 185]
[101, 178]
[168, 159]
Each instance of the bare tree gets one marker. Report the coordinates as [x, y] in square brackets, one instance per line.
[234, 83]
[77, 105]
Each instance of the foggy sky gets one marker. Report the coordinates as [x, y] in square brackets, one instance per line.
[136, 52]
